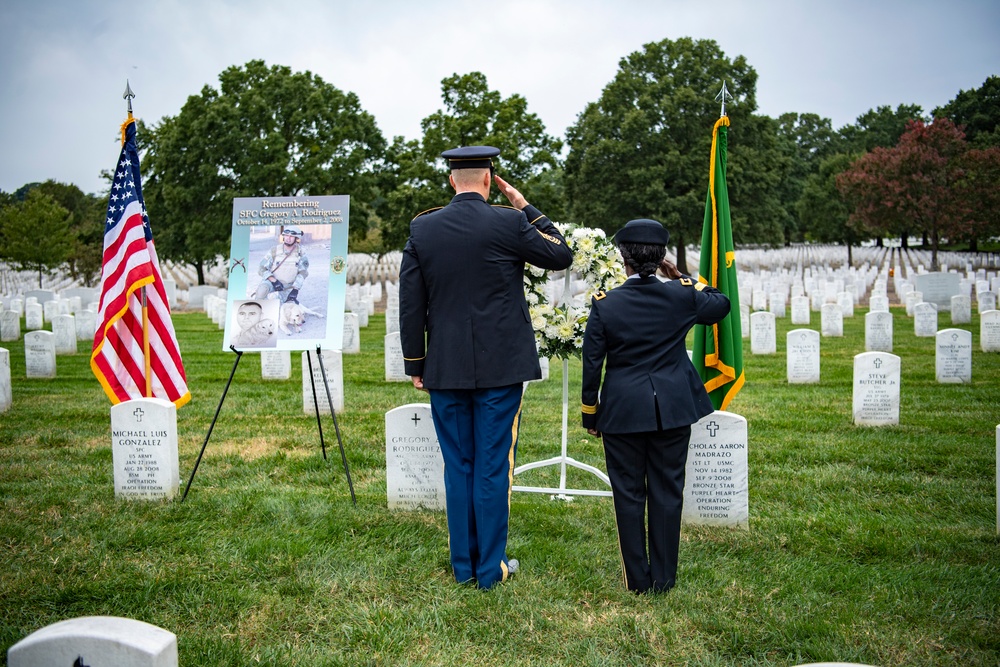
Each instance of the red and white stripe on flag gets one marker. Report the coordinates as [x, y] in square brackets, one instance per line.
[117, 360]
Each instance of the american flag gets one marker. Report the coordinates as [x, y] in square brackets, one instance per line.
[130, 264]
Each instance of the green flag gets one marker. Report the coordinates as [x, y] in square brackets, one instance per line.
[718, 349]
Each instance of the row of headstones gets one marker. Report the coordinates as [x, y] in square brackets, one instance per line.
[716, 491]
[370, 268]
[952, 352]
[761, 328]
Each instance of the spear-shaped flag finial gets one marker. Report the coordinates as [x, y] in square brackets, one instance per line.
[723, 96]
[128, 95]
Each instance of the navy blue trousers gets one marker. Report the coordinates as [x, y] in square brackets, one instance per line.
[647, 472]
[477, 429]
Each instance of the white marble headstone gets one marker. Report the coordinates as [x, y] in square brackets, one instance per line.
[953, 356]
[802, 356]
[925, 320]
[10, 326]
[64, 328]
[776, 303]
[716, 483]
[96, 641]
[333, 364]
[745, 320]
[394, 368]
[878, 331]
[961, 309]
[352, 334]
[40, 354]
[144, 449]
[414, 468]
[986, 301]
[878, 304]
[832, 320]
[989, 331]
[33, 317]
[86, 325]
[800, 310]
[276, 365]
[392, 312]
[846, 302]
[763, 339]
[912, 299]
[938, 288]
[876, 389]
[6, 393]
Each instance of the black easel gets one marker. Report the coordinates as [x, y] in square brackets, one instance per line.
[319, 422]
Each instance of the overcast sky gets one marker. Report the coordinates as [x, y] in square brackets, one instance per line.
[64, 63]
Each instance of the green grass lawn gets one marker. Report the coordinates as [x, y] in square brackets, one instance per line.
[870, 545]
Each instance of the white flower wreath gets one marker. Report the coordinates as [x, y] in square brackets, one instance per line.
[559, 327]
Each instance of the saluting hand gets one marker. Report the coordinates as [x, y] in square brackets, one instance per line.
[669, 269]
[515, 198]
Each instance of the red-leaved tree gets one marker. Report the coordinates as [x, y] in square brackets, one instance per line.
[913, 186]
[981, 188]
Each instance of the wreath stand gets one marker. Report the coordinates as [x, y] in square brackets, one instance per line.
[562, 493]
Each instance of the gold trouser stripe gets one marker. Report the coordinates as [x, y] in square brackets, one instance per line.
[510, 468]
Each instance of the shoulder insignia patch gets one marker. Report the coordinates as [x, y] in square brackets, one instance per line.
[700, 286]
[549, 237]
[687, 282]
[599, 295]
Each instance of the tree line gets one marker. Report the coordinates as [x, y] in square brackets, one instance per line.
[640, 150]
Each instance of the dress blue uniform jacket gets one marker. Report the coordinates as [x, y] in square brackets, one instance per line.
[638, 329]
[463, 318]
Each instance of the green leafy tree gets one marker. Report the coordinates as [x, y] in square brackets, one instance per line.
[877, 128]
[267, 131]
[417, 179]
[87, 215]
[642, 150]
[977, 111]
[824, 214]
[35, 234]
[804, 140]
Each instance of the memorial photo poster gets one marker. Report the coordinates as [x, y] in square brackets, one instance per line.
[287, 273]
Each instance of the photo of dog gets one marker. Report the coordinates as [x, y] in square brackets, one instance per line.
[293, 316]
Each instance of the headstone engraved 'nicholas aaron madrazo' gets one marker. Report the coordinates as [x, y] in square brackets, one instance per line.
[96, 641]
[716, 488]
[414, 468]
[144, 449]
[876, 389]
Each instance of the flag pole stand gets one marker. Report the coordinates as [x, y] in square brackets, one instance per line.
[333, 413]
[562, 493]
[225, 391]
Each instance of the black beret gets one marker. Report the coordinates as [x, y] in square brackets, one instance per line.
[471, 157]
[645, 231]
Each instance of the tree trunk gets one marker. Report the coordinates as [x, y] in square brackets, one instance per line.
[974, 245]
[934, 248]
[199, 267]
[904, 241]
[681, 256]
[879, 242]
[850, 260]
[39, 276]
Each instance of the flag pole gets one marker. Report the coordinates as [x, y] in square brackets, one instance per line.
[148, 391]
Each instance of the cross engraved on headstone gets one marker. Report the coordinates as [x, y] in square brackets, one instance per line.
[712, 428]
[877, 363]
[138, 414]
[415, 419]
[954, 337]
[79, 662]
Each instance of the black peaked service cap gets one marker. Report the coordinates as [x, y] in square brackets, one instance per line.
[471, 157]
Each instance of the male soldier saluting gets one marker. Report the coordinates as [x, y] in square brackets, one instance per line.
[467, 340]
